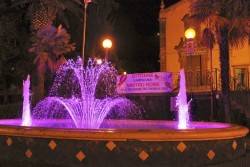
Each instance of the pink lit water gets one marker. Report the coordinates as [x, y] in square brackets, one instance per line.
[89, 112]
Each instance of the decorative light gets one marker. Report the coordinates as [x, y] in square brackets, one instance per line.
[99, 61]
[190, 33]
[124, 73]
[107, 43]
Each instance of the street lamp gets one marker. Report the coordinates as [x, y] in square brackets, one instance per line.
[190, 35]
[107, 44]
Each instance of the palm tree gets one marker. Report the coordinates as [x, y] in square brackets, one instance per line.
[43, 12]
[49, 45]
[229, 21]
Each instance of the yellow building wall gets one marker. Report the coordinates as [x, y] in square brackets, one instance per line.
[240, 56]
[175, 30]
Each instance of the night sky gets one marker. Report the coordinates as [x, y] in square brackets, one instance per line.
[137, 36]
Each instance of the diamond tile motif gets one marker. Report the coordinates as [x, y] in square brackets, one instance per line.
[181, 147]
[28, 153]
[110, 145]
[143, 155]
[9, 141]
[211, 154]
[80, 155]
[52, 144]
[234, 145]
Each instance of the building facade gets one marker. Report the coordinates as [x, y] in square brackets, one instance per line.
[173, 21]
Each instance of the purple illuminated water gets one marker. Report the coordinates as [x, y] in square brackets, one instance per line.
[80, 105]
[122, 124]
[73, 103]
[26, 121]
[181, 102]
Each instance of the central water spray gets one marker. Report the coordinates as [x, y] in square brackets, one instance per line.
[81, 104]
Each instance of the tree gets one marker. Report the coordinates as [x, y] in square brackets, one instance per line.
[229, 21]
[13, 49]
[43, 12]
[49, 45]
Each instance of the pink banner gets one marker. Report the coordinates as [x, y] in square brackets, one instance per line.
[157, 82]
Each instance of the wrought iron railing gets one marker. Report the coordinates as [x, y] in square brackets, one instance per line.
[198, 80]
[201, 82]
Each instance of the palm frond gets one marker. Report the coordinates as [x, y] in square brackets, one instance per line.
[52, 41]
[208, 39]
[233, 15]
[202, 10]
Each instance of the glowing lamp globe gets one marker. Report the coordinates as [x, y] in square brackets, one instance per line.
[99, 61]
[107, 43]
[190, 33]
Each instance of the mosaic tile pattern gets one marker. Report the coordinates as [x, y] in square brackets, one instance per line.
[119, 153]
[80, 155]
[28, 153]
[143, 155]
[9, 141]
[211, 154]
[234, 145]
[181, 147]
[111, 145]
[52, 144]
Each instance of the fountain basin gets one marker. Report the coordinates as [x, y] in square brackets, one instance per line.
[135, 143]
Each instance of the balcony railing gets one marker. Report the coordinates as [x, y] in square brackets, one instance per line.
[201, 81]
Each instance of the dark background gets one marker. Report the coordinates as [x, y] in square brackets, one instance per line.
[137, 34]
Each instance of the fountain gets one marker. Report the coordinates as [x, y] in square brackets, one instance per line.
[70, 129]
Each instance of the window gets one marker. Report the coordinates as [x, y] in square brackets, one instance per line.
[241, 76]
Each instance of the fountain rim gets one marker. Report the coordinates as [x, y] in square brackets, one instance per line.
[229, 132]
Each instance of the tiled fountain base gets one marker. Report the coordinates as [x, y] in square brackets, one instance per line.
[99, 153]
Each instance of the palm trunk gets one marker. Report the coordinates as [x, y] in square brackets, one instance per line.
[38, 87]
[224, 65]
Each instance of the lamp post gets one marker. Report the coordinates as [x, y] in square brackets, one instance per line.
[190, 35]
[107, 44]
[211, 83]
[211, 45]
[84, 27]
